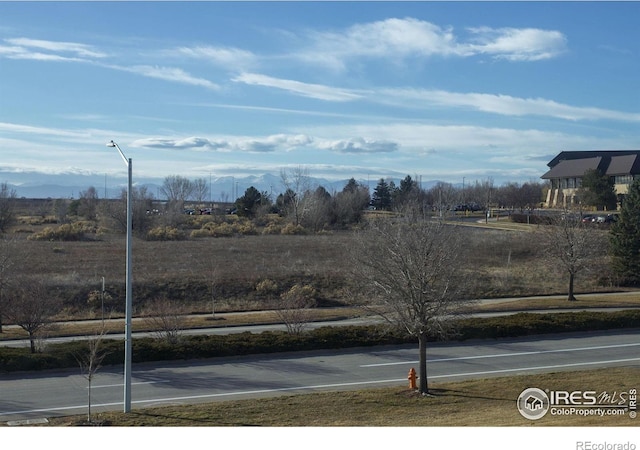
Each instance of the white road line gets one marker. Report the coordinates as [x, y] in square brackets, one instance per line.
[556, 366]
[122, 384]
[501, 355]
[320, 386]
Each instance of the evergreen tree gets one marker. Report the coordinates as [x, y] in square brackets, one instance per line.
[381, 196]
[408, 191]
[625, 238]
[598, 190]
[351, 186]
[249, 202]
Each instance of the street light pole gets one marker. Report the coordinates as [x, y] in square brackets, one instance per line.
[129, 301]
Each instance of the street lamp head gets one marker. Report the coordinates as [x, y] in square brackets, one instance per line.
[111, 144]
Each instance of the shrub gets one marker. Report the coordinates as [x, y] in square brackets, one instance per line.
[246, 228]
[267, 287]
[66, 232]
[165, 234]
[222, 230]
[293, 229]
[272, 228]
[200, 233]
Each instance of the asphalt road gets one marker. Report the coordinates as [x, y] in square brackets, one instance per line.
[64, 392]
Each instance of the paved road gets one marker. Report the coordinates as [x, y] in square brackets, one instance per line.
[64, 392]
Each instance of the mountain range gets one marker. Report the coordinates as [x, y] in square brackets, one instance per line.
[223, 189]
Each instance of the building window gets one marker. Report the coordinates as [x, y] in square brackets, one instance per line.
[623, 179]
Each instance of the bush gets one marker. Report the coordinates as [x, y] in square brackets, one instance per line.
[246, 228]
[267, 287]
[272, 228]
[293, 229]
[67, 232]
[524, 324]
[200, 233]
[222, 230]
[165, 234]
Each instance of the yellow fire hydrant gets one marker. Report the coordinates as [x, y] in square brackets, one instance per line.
[412, 378]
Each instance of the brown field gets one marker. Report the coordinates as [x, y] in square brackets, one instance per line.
[503, 257]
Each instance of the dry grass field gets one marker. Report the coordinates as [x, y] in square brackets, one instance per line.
[505, 259]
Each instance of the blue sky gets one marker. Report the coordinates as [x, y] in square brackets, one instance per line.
[436, 90]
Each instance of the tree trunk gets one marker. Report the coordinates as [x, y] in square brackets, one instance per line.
[571, 297]
[32, 342]
[89, 402]
[423, 386]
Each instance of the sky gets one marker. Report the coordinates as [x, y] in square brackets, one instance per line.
[447, 91]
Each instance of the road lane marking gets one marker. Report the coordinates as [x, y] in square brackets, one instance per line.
[122, 384]
[502, 355]
[555, 366]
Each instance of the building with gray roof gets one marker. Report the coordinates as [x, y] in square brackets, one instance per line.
[567, 169]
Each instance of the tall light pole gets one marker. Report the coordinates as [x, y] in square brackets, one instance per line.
[129, 301]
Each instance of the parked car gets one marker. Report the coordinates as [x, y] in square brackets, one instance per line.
[609, 218]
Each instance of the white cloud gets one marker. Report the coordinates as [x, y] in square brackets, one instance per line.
[424, 98]
[501, 104]
[398, 39]
[317, 91]
[517, 44]
[23, 53]
[22, 49]
[173, 74]
[360, 145]
[391, 37]
[29, 129]
[417, 138]
[282, 142]
[232, 58]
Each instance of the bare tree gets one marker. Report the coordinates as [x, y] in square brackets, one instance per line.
[294, 307]
[88, 203]
[7, 206]
[177, 189]
[61, 210]
[166, 318]
[142, 201]
[409, 271]
[297, 183]
[90, 361]
[348, 205]
[572, 244]
[318, 204]
[442, 196]
[200, 188]
[30, 305]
